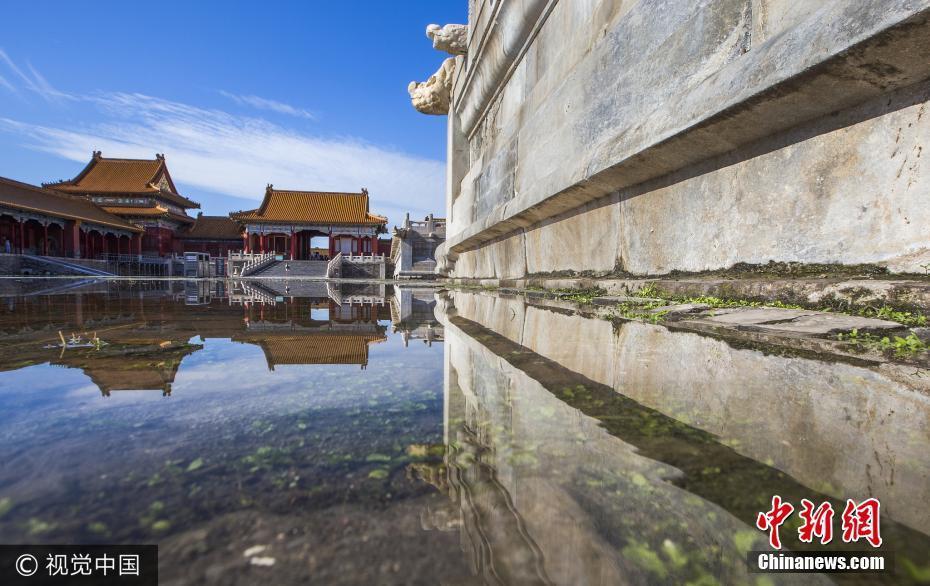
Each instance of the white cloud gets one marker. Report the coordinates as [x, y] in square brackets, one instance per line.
[218, 152]
[271, 105]
[32, 81]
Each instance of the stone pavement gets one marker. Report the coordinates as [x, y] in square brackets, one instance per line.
[798, 321]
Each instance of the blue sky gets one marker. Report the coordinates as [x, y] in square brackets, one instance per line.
[305, 95]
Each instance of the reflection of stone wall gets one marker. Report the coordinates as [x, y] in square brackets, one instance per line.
[546, 491]
[688, 136]
[846, 431]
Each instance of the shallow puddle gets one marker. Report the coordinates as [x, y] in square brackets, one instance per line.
[291, 432]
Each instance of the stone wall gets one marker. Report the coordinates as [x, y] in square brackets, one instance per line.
[367, 270]
[10, 264]
[645, 138]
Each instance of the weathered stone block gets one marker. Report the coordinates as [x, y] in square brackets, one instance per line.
[728, 131]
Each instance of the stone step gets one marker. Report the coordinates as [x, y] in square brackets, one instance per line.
[294, 268]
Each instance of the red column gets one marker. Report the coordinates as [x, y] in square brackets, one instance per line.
[76, 239]
[293, 245]
[261, 243]
[45, 239]
[374, 245]
[22, 237]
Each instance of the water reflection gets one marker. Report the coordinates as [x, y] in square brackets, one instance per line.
[587, 438]
[391, 434]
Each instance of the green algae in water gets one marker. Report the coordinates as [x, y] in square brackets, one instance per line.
[161, 526]
[645, 558]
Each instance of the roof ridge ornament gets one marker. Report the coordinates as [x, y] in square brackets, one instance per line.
[97, 155]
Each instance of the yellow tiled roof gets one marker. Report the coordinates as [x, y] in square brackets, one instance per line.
[312, 206]
[213, 228]
[146, 212]
[26, 197]
[124, 176]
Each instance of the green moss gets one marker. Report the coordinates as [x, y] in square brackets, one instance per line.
[920, 574]
[902, 317]
[675, 556]
[641, 311]
[907, 346]
[584, 296]
[743, 540]
[38, 527]
[650, 290]
[6, 503]
[161, 526]
[645, 558]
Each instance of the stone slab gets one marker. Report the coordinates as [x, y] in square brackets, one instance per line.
[797, 321]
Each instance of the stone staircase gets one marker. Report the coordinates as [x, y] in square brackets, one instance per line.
[58, 266]
[298, 268]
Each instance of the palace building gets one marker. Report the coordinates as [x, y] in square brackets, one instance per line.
[141, 192]
[216, 235]
[287, 220]
[37, 221]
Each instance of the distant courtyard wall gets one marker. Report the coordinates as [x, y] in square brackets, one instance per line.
[624, 137]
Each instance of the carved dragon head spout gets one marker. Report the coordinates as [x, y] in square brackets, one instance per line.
[434, 95]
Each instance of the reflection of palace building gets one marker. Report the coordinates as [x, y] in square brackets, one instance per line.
[413, 315]
[287, 220]
[132, 368]
[321, 331]
[318, 349]
[147, 331]
[139, 191]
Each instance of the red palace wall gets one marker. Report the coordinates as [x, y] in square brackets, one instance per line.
[215, 248]
[158, 241]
